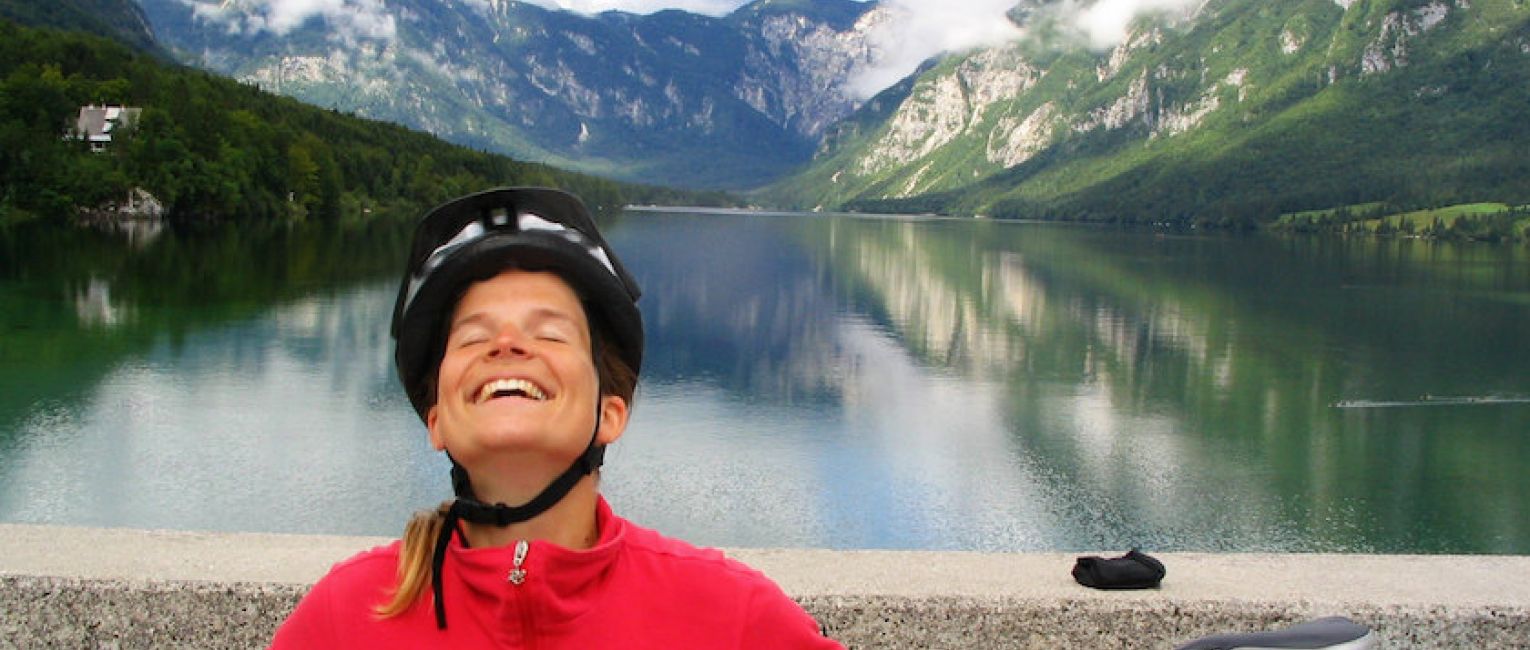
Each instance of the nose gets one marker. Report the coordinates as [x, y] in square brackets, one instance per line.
[509, 342]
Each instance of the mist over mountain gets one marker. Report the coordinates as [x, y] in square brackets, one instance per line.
[671, 98]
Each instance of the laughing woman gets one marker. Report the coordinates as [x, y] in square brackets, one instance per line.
[519, 343]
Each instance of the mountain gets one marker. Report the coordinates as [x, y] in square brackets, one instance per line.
[1232, 112]
[208, 148]
[673, 97]
[120, 20]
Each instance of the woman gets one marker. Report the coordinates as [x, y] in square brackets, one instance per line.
[519, 342]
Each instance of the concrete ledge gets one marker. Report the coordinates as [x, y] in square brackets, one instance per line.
[83, 587]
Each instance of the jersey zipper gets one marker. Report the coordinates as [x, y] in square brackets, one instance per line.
[517, 571]
[517, 578]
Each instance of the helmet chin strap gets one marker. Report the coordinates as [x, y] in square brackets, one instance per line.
[467, 507]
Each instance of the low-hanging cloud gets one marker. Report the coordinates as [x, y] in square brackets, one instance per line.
[347, 20]
[1105, 23]
[915, 30]
[919, 29]
[706, 7]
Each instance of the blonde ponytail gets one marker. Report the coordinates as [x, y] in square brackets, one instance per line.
[414, 560]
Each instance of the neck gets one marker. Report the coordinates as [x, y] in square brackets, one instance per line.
[570, 523]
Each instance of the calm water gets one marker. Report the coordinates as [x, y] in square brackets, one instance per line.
[812, 381]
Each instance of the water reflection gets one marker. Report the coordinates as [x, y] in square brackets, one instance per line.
[138, 233]
[279, 423]
[94, 307]
[1089, 389]
[817, 382]
[738, 305]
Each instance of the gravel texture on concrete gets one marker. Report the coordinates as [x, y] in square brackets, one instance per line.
[74, 587]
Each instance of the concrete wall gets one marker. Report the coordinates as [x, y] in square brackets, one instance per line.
[82, 587]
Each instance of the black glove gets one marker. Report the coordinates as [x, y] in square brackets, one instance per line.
[1131, 571]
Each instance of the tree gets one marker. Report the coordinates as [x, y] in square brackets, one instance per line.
[302, 179]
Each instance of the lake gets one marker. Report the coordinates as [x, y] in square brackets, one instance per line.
[815, 381]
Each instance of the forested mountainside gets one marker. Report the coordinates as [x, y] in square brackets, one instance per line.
[1235, 112]
[671, 97]
[121, 20]
[211, 148]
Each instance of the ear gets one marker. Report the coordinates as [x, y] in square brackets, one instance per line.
[613, 419]
[431, 423]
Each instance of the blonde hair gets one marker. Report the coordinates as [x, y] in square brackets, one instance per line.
[414, 560]
[420, 534]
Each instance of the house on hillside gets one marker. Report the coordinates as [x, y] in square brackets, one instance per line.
[97, 123]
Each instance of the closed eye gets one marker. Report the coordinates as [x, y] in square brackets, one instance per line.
[467, 336]
[471, 330]
[555, 332]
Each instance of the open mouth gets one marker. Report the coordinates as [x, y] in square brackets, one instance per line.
[510, 388]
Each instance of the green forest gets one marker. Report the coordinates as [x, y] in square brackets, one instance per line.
[212, 149]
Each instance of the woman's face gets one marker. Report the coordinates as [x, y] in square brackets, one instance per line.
[517, 380]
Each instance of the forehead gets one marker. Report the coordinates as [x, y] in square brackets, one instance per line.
[515, 290]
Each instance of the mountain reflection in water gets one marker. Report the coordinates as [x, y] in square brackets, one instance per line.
[816, 381]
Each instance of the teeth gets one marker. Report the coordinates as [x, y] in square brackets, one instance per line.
[510, 385]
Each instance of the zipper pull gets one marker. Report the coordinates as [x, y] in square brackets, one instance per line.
[518, 574]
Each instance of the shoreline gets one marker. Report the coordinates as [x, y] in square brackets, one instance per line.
[89, 586]
[1279, 227]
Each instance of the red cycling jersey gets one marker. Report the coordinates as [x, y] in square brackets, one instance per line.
[634, 589]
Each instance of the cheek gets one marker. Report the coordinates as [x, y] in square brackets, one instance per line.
[446, 376]
[576, 374]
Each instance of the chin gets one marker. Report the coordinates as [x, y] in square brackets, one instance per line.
[517, 441]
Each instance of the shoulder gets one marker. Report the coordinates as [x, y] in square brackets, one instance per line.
[648, 547]
[370, 559]
[343, 598]
[367, 571]
[711, 584]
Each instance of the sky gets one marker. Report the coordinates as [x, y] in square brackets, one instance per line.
[919, 28]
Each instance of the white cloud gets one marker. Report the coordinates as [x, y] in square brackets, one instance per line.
[1104, 22]
[919, 29]
[348, 20]
[708, 7]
